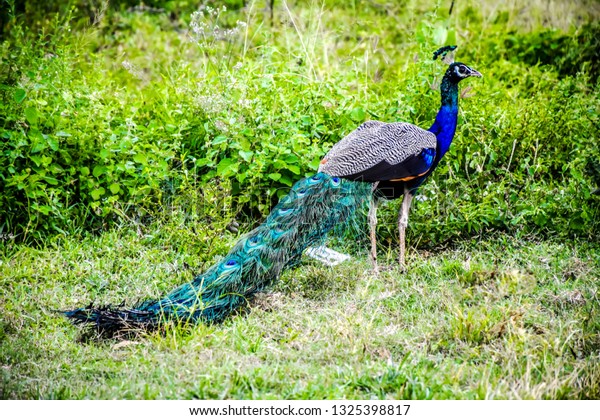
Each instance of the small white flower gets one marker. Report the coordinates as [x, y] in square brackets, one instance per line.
[129, 123]
[131, 69]
[222, 126]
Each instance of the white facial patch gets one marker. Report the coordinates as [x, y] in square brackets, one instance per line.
[458, 72]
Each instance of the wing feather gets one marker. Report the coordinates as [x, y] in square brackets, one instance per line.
[378, 151]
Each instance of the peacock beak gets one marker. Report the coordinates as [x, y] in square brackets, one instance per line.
[474, 73]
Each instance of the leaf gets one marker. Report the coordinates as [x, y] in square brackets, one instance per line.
[451, 37]
[286, 180]
[51, 180]
[314, 164]
[31, 115]
[423, 31]
[358, 114]
[140, 158]
[36, 159]
[295, 169]
[202, 162]
[440, 34]
[38, 142]
[96, 194]
[274, 177]
[62, 134]
[52, 142]
[227, 167]
[99, 170]
[245, 144]
[219, 139]
[19, 95]
[247, 156]
[114, 188]
[44, 209]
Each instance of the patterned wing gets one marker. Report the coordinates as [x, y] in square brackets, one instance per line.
[378, 151]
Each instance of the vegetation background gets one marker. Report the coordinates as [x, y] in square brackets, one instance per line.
[135, 137]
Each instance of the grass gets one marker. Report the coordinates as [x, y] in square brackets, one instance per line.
[497, 318]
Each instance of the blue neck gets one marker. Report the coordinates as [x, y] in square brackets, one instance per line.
[444, 126]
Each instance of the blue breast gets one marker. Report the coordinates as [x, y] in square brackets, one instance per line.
[444, 128]
[428, 155]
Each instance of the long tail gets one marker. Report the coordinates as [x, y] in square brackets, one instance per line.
[303, 218]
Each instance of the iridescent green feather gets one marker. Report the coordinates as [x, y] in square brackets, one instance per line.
[311, 210]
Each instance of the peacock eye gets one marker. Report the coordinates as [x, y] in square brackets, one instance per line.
[461, 71]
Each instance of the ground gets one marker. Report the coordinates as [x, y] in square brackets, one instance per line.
[496, 317]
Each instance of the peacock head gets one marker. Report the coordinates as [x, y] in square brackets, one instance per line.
[460, 71]
[456, 71]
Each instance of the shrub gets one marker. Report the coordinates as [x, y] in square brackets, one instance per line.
[118, 121]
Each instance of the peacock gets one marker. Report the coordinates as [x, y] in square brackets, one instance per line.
[397, 157]
[388, 158]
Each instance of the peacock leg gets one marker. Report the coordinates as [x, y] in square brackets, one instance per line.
[402, 224]
[373, 226]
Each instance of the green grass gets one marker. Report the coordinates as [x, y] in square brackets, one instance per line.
[497, 318]
[128, 145]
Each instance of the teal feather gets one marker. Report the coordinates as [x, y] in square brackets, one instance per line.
[313, 208]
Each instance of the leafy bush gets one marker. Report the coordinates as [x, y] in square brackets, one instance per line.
[569, 54]
[125, 118]
[73, 153]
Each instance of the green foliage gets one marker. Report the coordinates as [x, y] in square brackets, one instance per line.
[569, 54]
[118, 120]
[73, 153]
